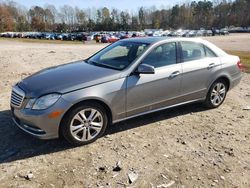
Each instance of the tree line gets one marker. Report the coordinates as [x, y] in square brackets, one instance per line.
[192, 15]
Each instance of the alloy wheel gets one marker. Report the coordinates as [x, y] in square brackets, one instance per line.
[218, 94]
[86, 124]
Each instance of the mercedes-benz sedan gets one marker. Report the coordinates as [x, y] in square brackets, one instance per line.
[128, 78]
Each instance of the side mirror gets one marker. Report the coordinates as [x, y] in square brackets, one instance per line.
[145, 69]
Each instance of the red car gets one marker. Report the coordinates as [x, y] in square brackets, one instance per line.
[113, 39]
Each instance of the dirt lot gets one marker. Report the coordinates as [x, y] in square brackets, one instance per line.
[188, 146]
[237, 42]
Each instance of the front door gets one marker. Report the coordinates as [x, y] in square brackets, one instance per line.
[147, 92]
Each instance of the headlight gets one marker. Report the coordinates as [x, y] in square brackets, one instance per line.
[30, 103]
[43, 102]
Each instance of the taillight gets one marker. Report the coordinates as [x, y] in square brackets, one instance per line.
[240, 65]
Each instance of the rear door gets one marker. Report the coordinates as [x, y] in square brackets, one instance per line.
[198, 64]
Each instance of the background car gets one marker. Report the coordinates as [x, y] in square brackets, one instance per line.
[105, 39]
[224, 31]
[112, 39]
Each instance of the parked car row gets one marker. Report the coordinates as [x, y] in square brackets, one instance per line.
[239, 29]
[110, 37]
[48, 36]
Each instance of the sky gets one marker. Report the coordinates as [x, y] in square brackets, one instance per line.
[119, 4]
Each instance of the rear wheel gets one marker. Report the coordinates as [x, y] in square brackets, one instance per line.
[84, 124]
[216, 94]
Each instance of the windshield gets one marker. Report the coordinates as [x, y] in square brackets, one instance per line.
[118, 55]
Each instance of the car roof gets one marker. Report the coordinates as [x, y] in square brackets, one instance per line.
[148, 40]
[152, 40]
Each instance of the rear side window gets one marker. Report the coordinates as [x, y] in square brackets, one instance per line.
[209, 53]
[192, 51]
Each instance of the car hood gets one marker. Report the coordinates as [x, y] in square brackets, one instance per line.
[66, 78]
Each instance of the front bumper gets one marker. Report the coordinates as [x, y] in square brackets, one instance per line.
[38, 123]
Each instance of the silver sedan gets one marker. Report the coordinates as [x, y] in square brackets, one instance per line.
[128, 78]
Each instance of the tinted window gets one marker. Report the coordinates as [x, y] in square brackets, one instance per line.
[192, 51]
[116, 52]
[209, 53]
[162, 55]
[118, 55]
[141, 49]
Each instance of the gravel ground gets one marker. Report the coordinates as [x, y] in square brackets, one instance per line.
[233, 42]
[187, 146]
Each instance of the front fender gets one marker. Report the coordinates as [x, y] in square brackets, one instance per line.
[112, 93]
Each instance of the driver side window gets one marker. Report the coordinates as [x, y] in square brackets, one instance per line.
[162, 55]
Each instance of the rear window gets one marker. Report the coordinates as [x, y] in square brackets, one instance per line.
[209, 52]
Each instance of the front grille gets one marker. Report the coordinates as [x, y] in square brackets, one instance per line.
[17, 97]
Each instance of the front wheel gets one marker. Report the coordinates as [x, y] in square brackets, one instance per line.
[84, 124]
[216, 94]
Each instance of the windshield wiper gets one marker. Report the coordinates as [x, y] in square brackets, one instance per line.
[102, 65]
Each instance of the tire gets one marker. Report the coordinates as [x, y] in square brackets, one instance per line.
[216, 94]
[79, 129]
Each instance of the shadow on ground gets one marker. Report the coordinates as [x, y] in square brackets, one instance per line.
[16, 145]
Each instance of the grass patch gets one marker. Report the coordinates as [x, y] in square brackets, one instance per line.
[244, 57]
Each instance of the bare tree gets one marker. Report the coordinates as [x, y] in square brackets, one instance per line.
[192, 15]
[81, 19]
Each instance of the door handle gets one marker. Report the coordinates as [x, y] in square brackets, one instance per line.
[174, 74]
[211, 65]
